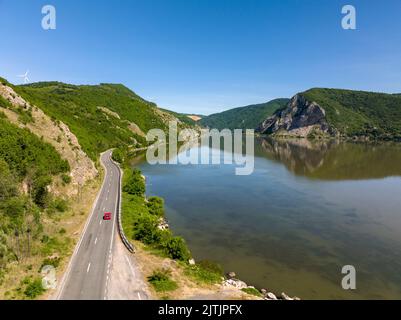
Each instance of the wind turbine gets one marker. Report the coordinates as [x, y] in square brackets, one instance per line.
[25, 77]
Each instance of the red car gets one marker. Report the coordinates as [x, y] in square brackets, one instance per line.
[107, 216]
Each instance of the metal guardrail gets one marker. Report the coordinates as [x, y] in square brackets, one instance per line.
[124, 239]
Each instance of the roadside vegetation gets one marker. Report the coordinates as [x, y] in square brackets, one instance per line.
[33, 220]
[142, 220]
[161, 281]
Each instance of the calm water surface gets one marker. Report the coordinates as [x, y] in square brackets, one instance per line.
[306, 211]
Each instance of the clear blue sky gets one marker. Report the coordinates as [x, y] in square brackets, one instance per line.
[204, 56]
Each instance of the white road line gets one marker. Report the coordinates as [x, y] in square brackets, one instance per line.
[139, 296]
[95, 241]
[89, 267]
[130, 265]
[100, 222]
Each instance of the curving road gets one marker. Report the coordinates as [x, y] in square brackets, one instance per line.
[91, 268]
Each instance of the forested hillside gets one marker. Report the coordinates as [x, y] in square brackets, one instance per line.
[248, 117]
[101, 116]
[360, 113]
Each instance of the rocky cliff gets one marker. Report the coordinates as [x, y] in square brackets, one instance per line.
[341, 113]
[300, 118]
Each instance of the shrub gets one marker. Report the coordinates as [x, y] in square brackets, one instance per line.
[118, 155]
[161, 281]
[59, 205]
[66, 179]
[34, 288]
[145, 229]
[156, 206]
[54, 262]
[177, 249]
[135, 184]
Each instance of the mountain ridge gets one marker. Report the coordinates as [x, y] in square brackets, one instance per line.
[246, 117]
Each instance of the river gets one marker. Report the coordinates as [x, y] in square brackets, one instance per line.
[308, 209]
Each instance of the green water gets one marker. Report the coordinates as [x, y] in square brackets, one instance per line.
[306, 211]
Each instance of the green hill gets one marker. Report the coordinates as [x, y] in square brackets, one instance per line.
[338, 113]
[248, 117]
[101, 116]
[359, 113]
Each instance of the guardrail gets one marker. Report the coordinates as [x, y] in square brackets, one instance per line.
[124, 239]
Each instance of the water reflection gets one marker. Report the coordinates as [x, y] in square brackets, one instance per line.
[333, 160]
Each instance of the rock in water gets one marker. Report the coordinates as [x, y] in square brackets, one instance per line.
[271, 296]
[286, 297]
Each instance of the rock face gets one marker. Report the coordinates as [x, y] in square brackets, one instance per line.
[299, 119]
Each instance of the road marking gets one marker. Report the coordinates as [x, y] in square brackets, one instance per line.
[95, 241]
[130, 265]
[100, 222]
[139, 296]
[89, 267]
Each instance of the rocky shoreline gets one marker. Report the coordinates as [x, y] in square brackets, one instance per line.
[233, 282]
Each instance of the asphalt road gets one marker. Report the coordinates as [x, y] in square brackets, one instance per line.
[88, 275]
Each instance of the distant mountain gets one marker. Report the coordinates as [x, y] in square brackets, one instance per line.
[248, 117]
[336, 112]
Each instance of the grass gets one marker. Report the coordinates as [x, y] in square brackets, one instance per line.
[252, 292]
[161, 281]
[205, 272]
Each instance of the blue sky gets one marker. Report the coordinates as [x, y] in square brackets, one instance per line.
[205, 56]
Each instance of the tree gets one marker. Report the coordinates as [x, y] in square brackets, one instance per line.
[145, 229]
[177, 249]
[135, 184]
[156, 206]
[8, 186]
